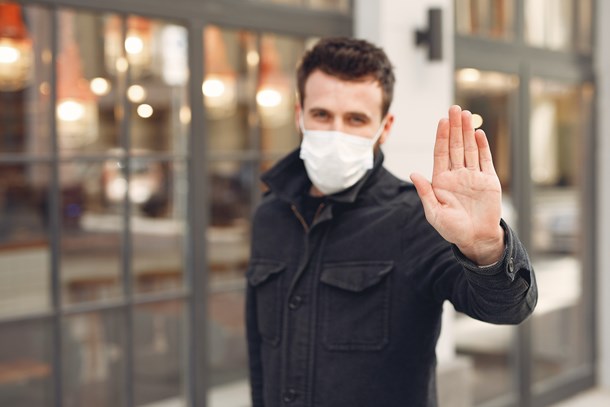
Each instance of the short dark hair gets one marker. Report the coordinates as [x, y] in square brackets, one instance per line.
[349, 59]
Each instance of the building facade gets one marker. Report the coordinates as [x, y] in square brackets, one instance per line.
[132, 137]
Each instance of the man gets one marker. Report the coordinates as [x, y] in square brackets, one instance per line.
[350, 266]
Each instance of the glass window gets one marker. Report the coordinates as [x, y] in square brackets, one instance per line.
[26, 364]
[93, 362]
[493, 19]
[160, 354]
[558, 129]
[92, 211]
[158, 193]
[549, 23]
[96, 53]
[249, 96]
[342, 6]
[25, 84]
[249, 91]
[490, 96]
[25, 249]
[585, 25]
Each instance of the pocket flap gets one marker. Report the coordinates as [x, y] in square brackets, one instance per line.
[260, 270]
[355, 276]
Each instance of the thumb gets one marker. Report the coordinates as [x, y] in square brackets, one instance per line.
[425, 192]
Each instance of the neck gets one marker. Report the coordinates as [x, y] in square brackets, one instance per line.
[313, 191]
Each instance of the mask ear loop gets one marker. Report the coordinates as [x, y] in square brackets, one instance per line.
[380, 130]
[301, 122]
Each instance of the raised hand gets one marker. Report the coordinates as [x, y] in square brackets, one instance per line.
[464, 201]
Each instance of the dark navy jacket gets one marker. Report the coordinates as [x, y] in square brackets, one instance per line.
[346, 312]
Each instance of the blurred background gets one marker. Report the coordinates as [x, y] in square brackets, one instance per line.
[132, 137]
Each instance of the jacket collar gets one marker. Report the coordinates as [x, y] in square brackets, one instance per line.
[288, 179]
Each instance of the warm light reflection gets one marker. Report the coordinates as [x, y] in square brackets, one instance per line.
[45, 88]
[469, 75]
[70, 110]
[8, 54]
[145, 111]
[268, 98]
[477, 120]
[252, 58]
[213, 88]
[16, 54]
[100, 86]
[220, 97]
[185, 115]
[121, 65]
[134, 45]
[136, 93]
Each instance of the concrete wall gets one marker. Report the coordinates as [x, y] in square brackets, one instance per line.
[423, 93]
[602, 66]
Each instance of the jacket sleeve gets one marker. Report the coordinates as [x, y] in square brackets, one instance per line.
[503, 293]
[254, 349]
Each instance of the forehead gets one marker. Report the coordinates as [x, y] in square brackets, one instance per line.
[338, 95]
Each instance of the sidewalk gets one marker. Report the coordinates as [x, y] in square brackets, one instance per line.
[590, 398]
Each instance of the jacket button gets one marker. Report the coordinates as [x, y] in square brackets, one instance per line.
[295, 302]
[290, 395]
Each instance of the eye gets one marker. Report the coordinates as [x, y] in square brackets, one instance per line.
[358, 120]
[320, 114]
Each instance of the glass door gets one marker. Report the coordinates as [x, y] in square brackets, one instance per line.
[561, 324]
[490, 96]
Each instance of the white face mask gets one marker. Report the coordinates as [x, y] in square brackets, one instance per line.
[334, 160]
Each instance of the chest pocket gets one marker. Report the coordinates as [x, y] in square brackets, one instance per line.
[265, 277]
[355, 299]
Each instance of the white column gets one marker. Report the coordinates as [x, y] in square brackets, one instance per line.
[423, 94]
[602, 66]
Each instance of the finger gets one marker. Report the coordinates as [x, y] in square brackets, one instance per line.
[456, 138]
[485, 158]
[471, 150]
[441, 147]
[426, 194]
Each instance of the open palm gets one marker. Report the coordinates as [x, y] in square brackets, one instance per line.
[463, 202]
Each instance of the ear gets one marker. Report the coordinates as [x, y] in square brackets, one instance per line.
[385, 133]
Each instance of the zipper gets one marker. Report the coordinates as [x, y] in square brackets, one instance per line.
[300, 217]
[302, 220]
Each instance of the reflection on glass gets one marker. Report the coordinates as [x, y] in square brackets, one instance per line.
[342, 6]
[275, 96]
[93, 360]
[585, 25]
[24, 240]
[159, 365]
[92, 228]
[99, 63]
[77, 111]
[249, 91]
[25, 59]
[158, 192]
[228, 242]
[559, 113]
[158, 83]
[548, 23]
[249, 99]
[228, 234]
[493, 19]
[231, 69]
[489, 95]
[25, 364]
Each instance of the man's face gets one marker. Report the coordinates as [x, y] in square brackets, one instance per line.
[347, 106]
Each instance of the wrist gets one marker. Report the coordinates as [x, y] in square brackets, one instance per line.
[485, 252]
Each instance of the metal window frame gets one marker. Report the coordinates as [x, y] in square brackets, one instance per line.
[516, 57]
[194, 15]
